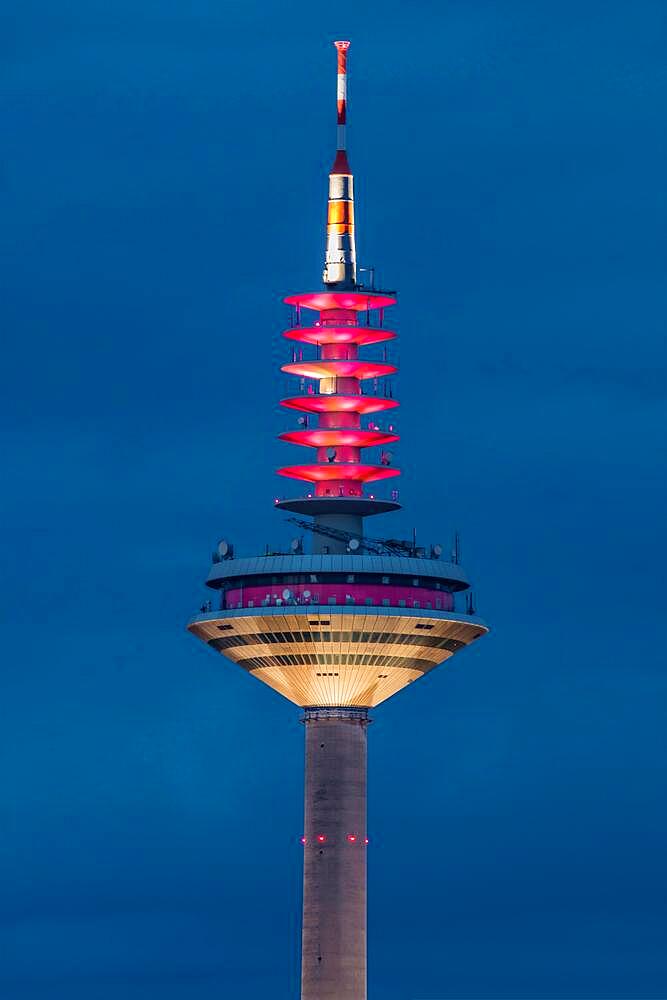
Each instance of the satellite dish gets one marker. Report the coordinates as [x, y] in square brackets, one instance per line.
[223, 548]
[353, 544]
[437, 551]
[386, 458]
[287, 594]
[295, 544]
[306, 594]
[331, 454]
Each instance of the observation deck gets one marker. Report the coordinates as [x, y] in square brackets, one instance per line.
[450, 576]
[337, 629]
[336, 656]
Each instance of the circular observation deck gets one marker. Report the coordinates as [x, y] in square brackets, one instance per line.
[336, 656]
[451, 577]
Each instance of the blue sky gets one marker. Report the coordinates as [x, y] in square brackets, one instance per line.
[163, 183]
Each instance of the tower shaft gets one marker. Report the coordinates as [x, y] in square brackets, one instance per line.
[333, 962]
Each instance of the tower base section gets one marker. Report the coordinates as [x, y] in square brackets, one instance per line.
[333, 965]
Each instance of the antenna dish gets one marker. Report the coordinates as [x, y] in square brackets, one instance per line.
[331, 454]
[306, 594]
[223, 548]
[287, 594]
[295, 545]
[437, 551]
[353, 544]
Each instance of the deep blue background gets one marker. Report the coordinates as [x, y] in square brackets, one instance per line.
[163, 185]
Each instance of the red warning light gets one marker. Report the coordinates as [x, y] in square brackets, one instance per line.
[352, 838]
[321, 838]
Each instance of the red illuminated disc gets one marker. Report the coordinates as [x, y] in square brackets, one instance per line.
[343, 369]
[338, 470]
[323, 438]
[339, 335]
[358, 301]
[325, 404]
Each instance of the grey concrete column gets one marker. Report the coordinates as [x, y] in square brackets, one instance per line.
[352, 524]
[333, 957]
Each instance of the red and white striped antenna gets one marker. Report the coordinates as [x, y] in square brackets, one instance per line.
[341, 92]
[340, 267]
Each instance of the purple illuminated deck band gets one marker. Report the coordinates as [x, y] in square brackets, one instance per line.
[358, 594]
[337, 629]
[344, 619]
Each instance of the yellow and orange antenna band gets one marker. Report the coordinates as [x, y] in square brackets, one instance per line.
[340, 268]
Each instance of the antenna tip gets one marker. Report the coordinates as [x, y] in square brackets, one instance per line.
[342, 46]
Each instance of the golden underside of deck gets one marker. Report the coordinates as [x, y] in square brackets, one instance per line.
[356, 659]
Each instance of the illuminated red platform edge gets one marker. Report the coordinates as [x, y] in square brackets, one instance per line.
[355, 301]
[318, 335]
[320, 403]
[338, 470]
[341, 368]
[345, 436]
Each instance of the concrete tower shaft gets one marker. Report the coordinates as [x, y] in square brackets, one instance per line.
[333, 954]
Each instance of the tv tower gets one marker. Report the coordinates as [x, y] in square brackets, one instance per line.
[341, 628]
